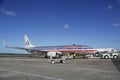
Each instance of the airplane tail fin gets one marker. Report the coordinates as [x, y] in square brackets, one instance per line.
[27, 42]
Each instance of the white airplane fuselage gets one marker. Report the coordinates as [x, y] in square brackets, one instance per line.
[53, 50]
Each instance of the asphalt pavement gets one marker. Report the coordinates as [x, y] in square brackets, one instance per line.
[74, 69]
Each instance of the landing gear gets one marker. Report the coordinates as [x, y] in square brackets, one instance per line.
[46, 55]
[106, 57]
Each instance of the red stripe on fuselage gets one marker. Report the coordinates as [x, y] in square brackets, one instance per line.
[82, 51]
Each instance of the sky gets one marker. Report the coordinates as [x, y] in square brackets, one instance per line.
[60, 22]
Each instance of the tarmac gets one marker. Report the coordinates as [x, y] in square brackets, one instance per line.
[18, 68]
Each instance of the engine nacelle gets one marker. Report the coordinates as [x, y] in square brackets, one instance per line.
[53, 54]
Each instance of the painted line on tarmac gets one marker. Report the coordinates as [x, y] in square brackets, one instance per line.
[35, 75]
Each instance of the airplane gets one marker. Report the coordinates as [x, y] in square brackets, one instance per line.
[54, 50]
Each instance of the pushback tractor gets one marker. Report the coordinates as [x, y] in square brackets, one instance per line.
[110, 55]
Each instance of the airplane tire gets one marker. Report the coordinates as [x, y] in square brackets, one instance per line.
[106, 57]
[52, 62]
[115, 57]
[60, 61]
[63, 61]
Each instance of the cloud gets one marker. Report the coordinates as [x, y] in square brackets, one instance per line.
[109, 7]
[116, 24]
[112, 6]
[66, 26]
[10, 13]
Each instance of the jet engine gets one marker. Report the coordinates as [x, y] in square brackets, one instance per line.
[53, 54]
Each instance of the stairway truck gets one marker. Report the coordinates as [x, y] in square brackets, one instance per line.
[110, 55]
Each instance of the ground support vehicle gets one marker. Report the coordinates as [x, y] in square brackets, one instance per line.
[110, 55]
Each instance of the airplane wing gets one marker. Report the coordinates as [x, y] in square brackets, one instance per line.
[16, 47]
[28, 46]
[31, 48]
[5, 45]
[28, 49]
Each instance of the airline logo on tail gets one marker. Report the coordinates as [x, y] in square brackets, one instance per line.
[27, 42]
